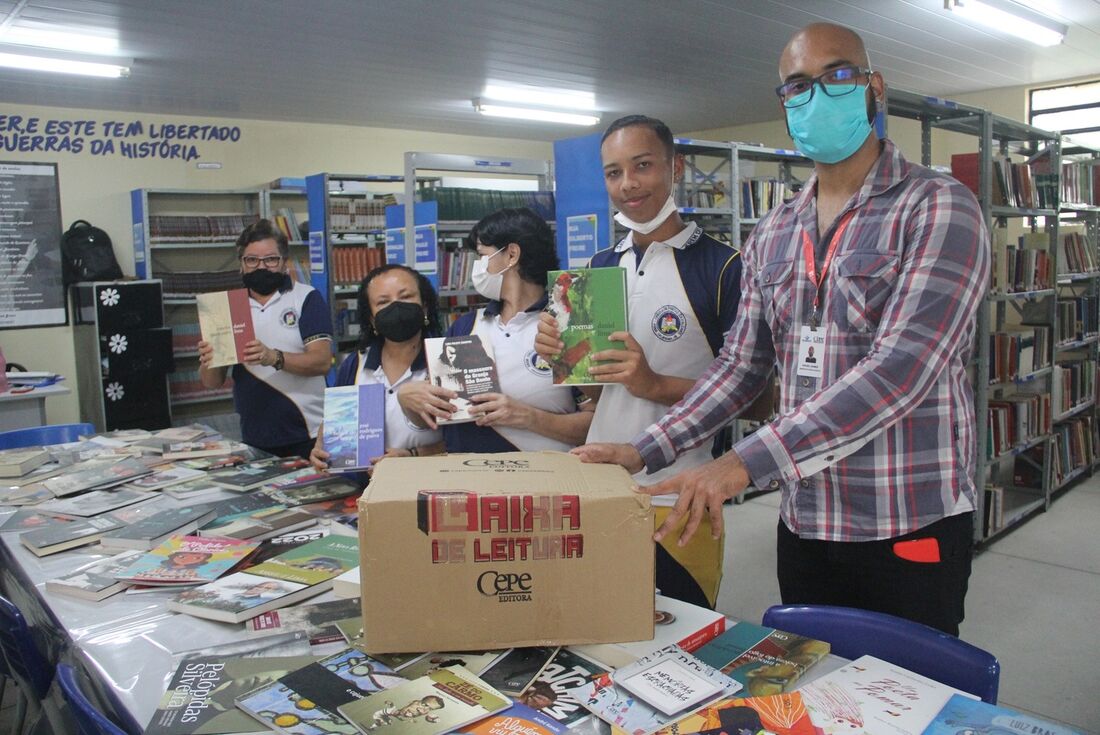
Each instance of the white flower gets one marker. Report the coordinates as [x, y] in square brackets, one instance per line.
[115, 391]
[109, 296]
[118, 343]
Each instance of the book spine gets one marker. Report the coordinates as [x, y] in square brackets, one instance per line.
[240, 312]
[703, 636]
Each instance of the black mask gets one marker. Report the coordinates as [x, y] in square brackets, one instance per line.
[399, 321]
[263, 281]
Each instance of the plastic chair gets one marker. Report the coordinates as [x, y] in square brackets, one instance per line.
[26, 665]
[40, 435]
[89, 720]
[853, 633]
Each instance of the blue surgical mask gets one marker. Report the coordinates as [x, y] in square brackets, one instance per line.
[829, 129]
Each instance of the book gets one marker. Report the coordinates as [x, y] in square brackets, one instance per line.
[182, 433]
[519, 719]
[588, 304]
[187, 560]
[779, 714]
[964, 715]
[515, 670]
[462, 364]
[348, 584]
[263, 524]
[439, 702]
[473, 661]
[164, 478]
[344, 677]
[354, 426]
[314, 488]
[150, 532]
[664, 687]
[298, 574]
[243, 478]
[18, 462]
[870, 695]
[317, 620]
[225, 321]
[193, 488]
[553, 692]
[95, 475]
[68, 535]
[95, 581]
[231, 509]
[199, 449]
[96, 502]
[240, 455]
[766, 660]
[28, 520]
[202, 692]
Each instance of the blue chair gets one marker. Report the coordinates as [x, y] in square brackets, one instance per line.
[89, 720]
[853, 633]
[26, 665]
[40, 435]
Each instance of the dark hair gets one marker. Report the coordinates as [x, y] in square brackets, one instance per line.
[262, 230]
[659, 129]
[428, 299]
[538, 252]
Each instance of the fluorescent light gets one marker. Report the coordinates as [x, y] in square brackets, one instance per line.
[65, 40]
[566, 99]
[531, 113]
[1011, 18]
[63, 63]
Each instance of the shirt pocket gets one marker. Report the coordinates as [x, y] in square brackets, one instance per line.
[864, 282]
[777, 294]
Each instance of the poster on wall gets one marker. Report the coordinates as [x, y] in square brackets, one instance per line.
[31, 292]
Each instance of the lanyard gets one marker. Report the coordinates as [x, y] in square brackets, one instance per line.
[811, 266]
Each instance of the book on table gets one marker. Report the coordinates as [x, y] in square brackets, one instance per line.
[96, 474]
[317, 620]
[554, 692]
[778, 714]
[465, 365]
[263, 524]
[314, 488]
[187, 560]
[765, 660]
[243, 478]
[515, 670]
[97, 502]
[66, 535]
[164, 478]
[147, 533]
[588, 304]
[18, 462]
[225, 321]
[354, 426]
[291, 577]
[965, 715]
[519, 719]
[95, 581]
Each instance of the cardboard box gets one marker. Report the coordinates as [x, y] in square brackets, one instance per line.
[478, 551]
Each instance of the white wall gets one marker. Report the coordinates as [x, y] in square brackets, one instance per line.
[96, 188]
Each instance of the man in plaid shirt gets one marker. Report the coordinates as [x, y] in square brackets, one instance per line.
[863, 291]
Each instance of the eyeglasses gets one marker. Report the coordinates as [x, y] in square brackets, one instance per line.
[835, 83]
[269, 261]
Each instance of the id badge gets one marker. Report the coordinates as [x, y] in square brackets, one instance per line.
[811, 351]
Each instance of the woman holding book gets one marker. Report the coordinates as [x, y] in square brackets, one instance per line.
[398, 308]
[530, 413]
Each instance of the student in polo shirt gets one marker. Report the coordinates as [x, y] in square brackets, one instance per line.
[279, 388]
[517, 250]
[398, 308]
[683, 288]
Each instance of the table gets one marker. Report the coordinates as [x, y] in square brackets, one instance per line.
[24, 410]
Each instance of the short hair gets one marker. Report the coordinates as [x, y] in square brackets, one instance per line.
[428, 299]
[538, 253]
[433, 701]
[262, 230]
[659, 129]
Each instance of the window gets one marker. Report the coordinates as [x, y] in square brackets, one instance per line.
[1073, 109]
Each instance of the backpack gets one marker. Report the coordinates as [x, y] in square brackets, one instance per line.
[87, 254]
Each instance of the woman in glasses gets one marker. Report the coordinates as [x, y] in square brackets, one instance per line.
[278, 387]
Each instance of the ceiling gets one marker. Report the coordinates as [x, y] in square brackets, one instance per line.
[416, 64]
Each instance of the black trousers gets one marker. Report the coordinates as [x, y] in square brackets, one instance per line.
[872, 576]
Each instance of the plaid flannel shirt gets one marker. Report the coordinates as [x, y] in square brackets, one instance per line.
[883, 443]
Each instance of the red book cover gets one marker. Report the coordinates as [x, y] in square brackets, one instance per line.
[225, 320]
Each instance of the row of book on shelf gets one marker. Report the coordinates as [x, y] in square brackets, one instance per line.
[1075, 446]
[1078, 317]
[468, 204]
[359, 214]
[1081, 182]
[1024, 184]
[287, 223]
[198, 228]
[351, 263]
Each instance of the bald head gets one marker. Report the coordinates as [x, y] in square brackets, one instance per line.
[821, 46]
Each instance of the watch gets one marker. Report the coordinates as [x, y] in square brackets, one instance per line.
[279, 360]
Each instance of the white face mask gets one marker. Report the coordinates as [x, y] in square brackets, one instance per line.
[645, 228]
[485, 283]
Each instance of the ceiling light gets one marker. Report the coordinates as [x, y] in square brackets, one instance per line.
[532, 113]
[565, 99]
[65, 40]
[1012, 18]
[64, 63]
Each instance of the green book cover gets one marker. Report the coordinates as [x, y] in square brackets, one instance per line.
[767, 661]
[589, 304]
[314, 562]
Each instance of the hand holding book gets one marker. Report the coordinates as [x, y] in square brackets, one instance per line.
[425, 404]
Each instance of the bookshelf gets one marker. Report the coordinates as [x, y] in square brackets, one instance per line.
[758, 192]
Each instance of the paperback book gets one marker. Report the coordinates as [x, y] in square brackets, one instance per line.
[199, 449]
[95, 474]
[464, 365]
[95, 581]
[68, 535]
[354, 426]
[263, 524]
[779, 714]
[964, 715]
[439, 702]
[225, 321]
[148, 533]
[766, 660]
[317, 620]
[316, 488]
[588, 304]
[519, 719]
[18, 462]
[96, 502]
[243, 478]
[28, 520]
[192, 489]
[183, 433]
[164, 478]
[515, 670]
[554, 691]
[473, 661]
[187, 560]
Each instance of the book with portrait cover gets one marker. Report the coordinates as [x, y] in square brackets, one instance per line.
[225, 321]
[354, 426]
[464, 364]
[554, 690]
[187, 560]
[588, 304]
[766, 660]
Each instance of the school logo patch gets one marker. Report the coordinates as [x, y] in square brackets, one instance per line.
[669, 323]
[535, 364]
[289, 318]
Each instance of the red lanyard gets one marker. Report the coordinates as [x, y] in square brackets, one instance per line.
[811, 265]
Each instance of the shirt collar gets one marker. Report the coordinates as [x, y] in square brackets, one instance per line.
[493, 307]
[680, 240]
[372, 359]
[889, 170]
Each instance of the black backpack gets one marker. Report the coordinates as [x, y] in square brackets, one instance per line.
[87, 254]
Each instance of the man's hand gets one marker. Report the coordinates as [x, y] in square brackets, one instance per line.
[425, 403]
[206, 354]
[548, 342]
[627, 366]
[497, 409]
[257, 353]
[603, 453]
[702, 490]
